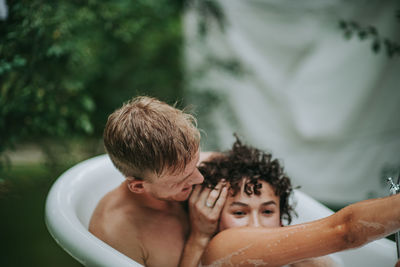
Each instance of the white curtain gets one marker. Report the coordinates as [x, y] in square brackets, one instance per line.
[329, 108]
[3, 10]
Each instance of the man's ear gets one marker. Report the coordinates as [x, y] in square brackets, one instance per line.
[135, 185]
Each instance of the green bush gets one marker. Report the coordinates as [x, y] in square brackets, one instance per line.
[65, 65]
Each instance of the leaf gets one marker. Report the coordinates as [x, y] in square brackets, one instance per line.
[55, 50]
[376, 45]
[19, 61]
[362, 34]
[343, 24]
[88, 103]
[85, 124]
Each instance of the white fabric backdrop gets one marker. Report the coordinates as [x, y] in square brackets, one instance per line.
[328, 107]
[3, 10]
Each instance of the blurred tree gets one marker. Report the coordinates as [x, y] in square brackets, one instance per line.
[65, 65]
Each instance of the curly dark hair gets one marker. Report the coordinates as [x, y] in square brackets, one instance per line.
[244, 161]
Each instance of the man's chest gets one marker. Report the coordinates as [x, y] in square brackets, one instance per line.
[163, 242]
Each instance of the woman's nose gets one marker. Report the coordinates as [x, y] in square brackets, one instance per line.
[254, 221]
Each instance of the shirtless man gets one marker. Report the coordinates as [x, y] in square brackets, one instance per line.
[156, 147]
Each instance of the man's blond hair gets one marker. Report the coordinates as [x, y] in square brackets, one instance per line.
[146, 134]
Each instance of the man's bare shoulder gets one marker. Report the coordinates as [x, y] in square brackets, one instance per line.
[113, 221]
[111, 209]
[152, 238]
[114, 213]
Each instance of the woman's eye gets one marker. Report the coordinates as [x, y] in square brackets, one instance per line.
[268, 211]
[238, 213]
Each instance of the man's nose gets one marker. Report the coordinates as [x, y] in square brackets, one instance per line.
[197, 178]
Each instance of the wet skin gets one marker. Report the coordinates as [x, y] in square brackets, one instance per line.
[258, 211]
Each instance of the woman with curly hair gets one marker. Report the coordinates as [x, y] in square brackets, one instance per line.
[249, 172]
[250, 232]
[259, 194]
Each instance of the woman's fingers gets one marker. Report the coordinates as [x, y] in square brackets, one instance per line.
[195, 194]
[214, 194]
[219, 204]
[205, 208]
[207, 198]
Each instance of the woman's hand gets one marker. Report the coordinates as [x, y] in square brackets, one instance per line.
[205, 206]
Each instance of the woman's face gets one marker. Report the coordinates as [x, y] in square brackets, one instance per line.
[255, 211]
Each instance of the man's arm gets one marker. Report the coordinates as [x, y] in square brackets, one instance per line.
[203, 221]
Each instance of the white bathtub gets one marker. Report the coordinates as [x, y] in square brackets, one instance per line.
[75, 194]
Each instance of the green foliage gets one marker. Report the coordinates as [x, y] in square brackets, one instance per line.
[378, 43]
[65, 65]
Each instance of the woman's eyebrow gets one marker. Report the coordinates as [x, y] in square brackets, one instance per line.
[267, 203]
[237, 203]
